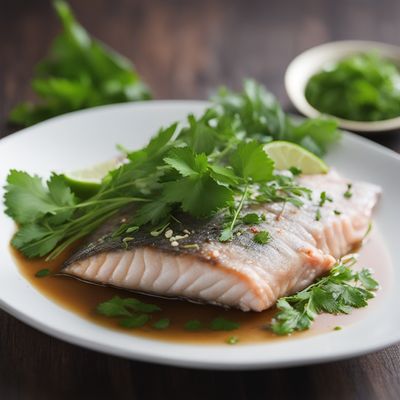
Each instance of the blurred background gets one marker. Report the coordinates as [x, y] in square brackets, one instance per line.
[185, 48]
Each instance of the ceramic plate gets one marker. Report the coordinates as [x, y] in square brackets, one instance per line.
[84, 138]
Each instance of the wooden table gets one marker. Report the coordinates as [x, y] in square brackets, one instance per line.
[184, 49]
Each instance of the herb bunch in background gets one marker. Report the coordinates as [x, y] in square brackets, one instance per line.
[79, 72]
[364, 87]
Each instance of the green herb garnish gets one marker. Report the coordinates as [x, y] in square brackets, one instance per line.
[232, 340]
[134, 321]
[337, 212]
[363, 87]
[295, 171]
[118, 307]
[43, 273]
[318, 215]
[79, 72]
[348, 193]
[222, 324]
[216, 164]
[161, 324]
[193, 325]
[262, 237]
[337, 293]
[324, 198]
[337, 328]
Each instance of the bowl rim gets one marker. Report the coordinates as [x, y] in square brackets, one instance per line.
[298, 98]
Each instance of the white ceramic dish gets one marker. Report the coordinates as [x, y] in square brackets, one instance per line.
[87, 137]
[305, 65]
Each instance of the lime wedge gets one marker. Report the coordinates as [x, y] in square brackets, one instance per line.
[86, 182]
[287, 155]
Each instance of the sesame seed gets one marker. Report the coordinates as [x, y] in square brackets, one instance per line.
[186, 231]
[169, 233]
[215, 253]
[174, 243]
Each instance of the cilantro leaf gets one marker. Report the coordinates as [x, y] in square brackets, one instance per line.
[134, 321]
[186, 162]
[222, 324]
[161, 324]
[43, 273]
[193, 325]
[262, 237]
[251, 162]
[337, 293]
[199, 196]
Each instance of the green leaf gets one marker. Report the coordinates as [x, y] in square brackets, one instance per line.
[134, 321]
[222, 324]
[161, 324]
[251, 162]
[262, 237]
[186, 162]
[193, 325]
[43, 273]
[113, 308]
[118, 307]
[232, 340]
[251, 219]
[198, 196]
[366, 279]
[226, 235]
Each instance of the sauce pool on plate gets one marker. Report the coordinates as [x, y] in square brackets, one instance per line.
[82, 298]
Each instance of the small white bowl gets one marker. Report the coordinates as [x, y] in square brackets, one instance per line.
[305, 65]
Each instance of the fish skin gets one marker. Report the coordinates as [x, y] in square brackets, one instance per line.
[241, 273]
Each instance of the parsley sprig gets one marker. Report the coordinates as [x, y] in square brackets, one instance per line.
[337, 293]
[214, 164]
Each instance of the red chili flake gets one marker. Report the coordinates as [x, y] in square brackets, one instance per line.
[253, 229]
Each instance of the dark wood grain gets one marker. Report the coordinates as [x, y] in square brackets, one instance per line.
[183, 49]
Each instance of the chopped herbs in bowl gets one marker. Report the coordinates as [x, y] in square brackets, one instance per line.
[355, 81]
[362, 87]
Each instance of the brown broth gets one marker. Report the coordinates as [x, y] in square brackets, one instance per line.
[82, 299]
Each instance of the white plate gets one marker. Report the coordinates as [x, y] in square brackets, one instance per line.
[83, 138]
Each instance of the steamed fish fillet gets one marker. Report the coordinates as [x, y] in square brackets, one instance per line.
[241, 273]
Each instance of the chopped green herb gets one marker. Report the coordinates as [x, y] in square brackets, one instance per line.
[337, 212]
[232, 340]
[362, 87]
[118, 307]
[324, 198]
[134, 321]
[252, 219]
[318, 215]
[348, 193]
[337, 328]
[337, 293]
[193, 325]
[222, 324]
[42, 273]
[295, 171]
[161, 324]
[262, 237]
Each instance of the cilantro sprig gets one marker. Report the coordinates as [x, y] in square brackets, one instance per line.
[214, 164]
[337, 293]
[79, 72]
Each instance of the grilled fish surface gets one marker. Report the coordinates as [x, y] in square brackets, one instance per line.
[240, 273]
